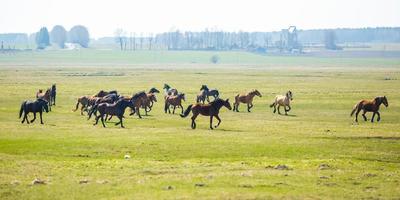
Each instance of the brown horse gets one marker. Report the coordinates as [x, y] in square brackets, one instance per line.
[245, 98]
[211, 109]
[175, 101]
[147, 104]
[45, 96]
[137, 100]
[86, 102]
[103, 93]
[370, 106]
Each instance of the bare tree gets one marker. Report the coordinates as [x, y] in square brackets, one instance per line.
[150, 40]
[119, 37]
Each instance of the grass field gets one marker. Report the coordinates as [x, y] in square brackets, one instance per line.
[327, 155]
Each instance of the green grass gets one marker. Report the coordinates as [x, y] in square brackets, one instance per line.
[168, 158]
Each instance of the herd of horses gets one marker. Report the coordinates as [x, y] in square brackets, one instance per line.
[106, 104]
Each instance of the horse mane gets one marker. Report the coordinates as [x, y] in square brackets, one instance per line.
[138, 94]
[153, 90]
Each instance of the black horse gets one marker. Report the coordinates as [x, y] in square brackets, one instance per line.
[116, 109]
[33, 106]
[206, 93]
[53, 93]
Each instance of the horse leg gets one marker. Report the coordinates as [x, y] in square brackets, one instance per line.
[249, 106]
[279, 111]
[193, 120]
[120, 121]
[181, 108]
[237, 107]
[211, 119]
[110, 118]
[41, 118]
[365, 117]
[379, 116]
[173, 112]
[82, 107]
[275, 108]
[138, 112]
[219, 120]
[284, 107]
[289, 108]
[34, 117]
[102, 120]
[97, 120]
[373, 116]
[25, 118]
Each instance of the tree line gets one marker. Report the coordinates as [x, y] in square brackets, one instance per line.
[77, 34]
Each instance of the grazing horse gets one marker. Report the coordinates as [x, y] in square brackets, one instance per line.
[211, 109]
[170, 91]
[175, 101]
[117, 109]
[86, 102]
[205, 93]
[370, 106]
[103, 93]
[35, 107]
[282, 100]
[53, 93]
[245, 98]
[45, 96]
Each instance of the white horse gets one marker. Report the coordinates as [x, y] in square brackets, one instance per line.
[283, 100]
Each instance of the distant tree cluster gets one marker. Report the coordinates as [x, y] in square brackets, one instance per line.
[59, 36]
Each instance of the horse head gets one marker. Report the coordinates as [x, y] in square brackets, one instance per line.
[153, 98]
[153, 90]
[227, 104]
[289, 94]
[382, 100]
[166, 86]
[256, 92]
[182, 95]
[204, 87]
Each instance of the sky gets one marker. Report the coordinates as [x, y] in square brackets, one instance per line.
[153, 16]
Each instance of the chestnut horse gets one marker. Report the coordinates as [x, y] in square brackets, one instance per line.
[175, 101]
[245, 98]
[86, 102]
[282, 100]
[211, 109]
[370, 106]
[45, 96]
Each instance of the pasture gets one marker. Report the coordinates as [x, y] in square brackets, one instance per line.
[321, 152]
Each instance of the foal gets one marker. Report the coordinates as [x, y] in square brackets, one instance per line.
[370, 106]
[245, 98]
[211, 109]
[283, 100]
[175, 101]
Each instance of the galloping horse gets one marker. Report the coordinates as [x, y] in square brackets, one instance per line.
[147, 104]
[211, 109]
[175, 101]
[35, 107]
[138, 100]
[283, 100]
[45, 96]
[53, 93]
[85, 102]
[370, 106]
[205, 93]
[117, 109]
[245, 98]
[169, 91]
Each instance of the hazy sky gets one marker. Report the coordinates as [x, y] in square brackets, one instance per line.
[103, 17]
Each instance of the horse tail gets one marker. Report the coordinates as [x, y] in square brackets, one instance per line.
[93, 110]
[354, 109]
[77, 105]
[187, 111]
[22, 109]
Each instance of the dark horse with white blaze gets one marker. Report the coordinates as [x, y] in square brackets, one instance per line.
[34, 107]
[211, 109]
[370, 106]
[205, 94]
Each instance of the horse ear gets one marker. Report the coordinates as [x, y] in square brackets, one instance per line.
[227, 100]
